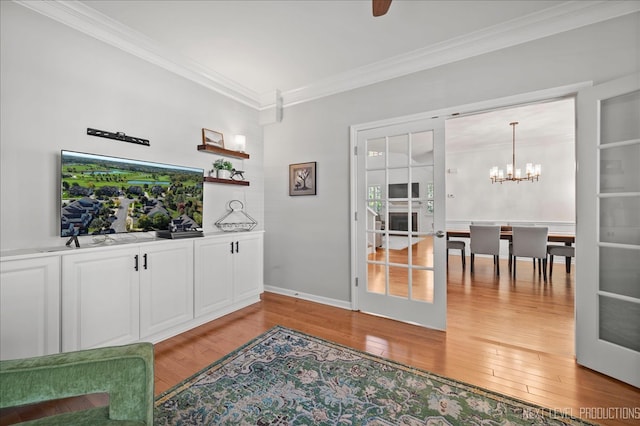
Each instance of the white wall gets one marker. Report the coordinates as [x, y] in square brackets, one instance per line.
[56, 82]
[551, 199]
[307, 243]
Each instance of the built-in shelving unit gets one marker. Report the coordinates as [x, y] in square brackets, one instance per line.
[222, 151]
[38, 284]
[227, 181]
[227, 153]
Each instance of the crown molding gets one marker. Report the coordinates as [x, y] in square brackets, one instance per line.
[563, 17]
[95, 24]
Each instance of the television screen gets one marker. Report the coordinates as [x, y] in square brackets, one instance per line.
[108, 195]
[399, 190]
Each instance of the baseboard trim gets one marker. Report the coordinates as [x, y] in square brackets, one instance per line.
[200, 320]
[310, 297]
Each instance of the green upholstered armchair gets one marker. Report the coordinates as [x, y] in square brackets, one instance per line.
[124, 372]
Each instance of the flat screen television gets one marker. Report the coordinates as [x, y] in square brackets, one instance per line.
[110, 195]
[399, 190]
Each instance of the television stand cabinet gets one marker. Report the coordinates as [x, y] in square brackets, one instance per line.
[90, 297]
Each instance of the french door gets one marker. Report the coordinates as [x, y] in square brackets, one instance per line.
[608, 229]
[399, 222]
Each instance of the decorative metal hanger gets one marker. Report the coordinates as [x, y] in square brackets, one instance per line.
[236, 219]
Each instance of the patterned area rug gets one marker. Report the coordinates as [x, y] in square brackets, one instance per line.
[285, 377]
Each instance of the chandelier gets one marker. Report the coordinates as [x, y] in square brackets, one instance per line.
[532, 173]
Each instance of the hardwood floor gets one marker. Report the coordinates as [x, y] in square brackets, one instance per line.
[422, 280]
[512, 337]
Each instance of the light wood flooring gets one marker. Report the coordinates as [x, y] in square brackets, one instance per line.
[513, 337]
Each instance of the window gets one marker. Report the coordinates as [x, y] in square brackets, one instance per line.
[430, 199]
[375, 195]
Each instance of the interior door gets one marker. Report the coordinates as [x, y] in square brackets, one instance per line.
[400, 210]
[608, 229]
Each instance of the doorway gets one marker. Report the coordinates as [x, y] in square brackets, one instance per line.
[359, 254]
[479, 141]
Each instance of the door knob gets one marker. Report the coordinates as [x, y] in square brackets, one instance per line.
[440, 234]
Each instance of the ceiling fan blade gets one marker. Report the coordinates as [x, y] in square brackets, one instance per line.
[380, 7]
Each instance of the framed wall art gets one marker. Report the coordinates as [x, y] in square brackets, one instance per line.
[211, 137]
[302, 178]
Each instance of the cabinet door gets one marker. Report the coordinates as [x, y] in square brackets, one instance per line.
[29, 307]
[166, 286]
[247, 266]
[213, 275]
[100, 299]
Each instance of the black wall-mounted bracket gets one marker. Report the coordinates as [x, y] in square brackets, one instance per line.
[117, 136]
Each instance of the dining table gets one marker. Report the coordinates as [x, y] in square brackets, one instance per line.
[506, 233]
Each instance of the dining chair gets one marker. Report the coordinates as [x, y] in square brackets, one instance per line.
[509, 228]
[457, 245]
[485, 239]
[530, 241]
[558, 250]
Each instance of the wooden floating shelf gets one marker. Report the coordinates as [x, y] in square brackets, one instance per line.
[227, 152]
[227, 181]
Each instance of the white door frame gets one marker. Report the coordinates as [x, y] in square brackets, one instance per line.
[493, 104]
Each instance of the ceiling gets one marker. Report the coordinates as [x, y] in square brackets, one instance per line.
[306, 49]
[265, 45]
[539, 124]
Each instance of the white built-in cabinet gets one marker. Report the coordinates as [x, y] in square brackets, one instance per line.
[123, 295]
[166, 287]
[246, 264]
[29, 307]
[212, 290]
[228, 271]
[102, 296]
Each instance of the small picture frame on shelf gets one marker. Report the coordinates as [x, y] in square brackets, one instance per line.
[211, 137]
[302, 179]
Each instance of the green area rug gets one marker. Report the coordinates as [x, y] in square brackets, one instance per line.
[285, 377]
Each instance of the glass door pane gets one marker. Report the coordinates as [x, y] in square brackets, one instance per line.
[400, 195]
[619, 236]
